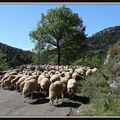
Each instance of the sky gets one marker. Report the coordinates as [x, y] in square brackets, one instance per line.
[17, 20]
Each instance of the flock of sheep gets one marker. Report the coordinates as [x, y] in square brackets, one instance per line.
[53, 80]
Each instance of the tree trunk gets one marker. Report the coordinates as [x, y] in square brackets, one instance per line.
[58, 59]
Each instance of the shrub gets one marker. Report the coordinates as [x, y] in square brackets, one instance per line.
[3, 63]
[94, 85]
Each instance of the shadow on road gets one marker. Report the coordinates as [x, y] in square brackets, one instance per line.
[76, 101]
[68, 104]
[82, 99]
[38, 95]
[39, 98]
[40, 101]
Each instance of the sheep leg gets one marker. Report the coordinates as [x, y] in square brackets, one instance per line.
[31, 95]
[2, 85]
[56, 100]
[62, 96]
[16, 88]
[51, 102]
[24, 99]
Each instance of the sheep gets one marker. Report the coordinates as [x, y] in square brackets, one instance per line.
[90, 71]
[30, 87]
[27, 79]
[55, 90]
[76, 76]
[14, 72]
[20, 81]
[71, 87]
[13, 81]
[41, 77]
[64, 80]
[54, 78]
[80, 71]
[45, 84]
[68, 75]
[57, 72]
[62, 74]
[94, 70]
[5, 76]
[71, 70]
[7, 82]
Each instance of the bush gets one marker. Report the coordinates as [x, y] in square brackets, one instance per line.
[94, 85]
[3, 63]
[89, 59]
[105, 105]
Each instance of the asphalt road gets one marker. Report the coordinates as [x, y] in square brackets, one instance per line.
[12, 104]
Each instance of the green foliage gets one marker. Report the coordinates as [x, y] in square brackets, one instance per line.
[94, 85]
[105, 105]
[38, 54]
[15, 57]
[102, 104]
[61, 28]
[92, 58]
[3, 63]
[97, 47]
[114, 60]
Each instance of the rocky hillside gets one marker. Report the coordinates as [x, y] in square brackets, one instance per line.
[105, 38]
[97, 46]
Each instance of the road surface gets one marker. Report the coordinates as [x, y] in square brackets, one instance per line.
[12, 104]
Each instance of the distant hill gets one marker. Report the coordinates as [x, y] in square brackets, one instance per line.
[96, 47]
[105, 37]
[15, 56]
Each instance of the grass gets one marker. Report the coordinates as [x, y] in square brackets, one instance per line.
[101, 102]
[103, 106]
[95, 86]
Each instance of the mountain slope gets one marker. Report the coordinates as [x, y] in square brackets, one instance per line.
[98, 45]
[14, 56]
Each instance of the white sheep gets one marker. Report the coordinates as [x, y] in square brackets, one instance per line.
[30, 87]
[72, 86]
[7, 83]
[94, 70]
[90, 71]
[68, 75]
[41, 77]
[54, 78]
[6, 75]
[55, 90]
[76, 76]
[45, 84]
[64, 80]
[20, 81]
[27, 79]
[80, 70]
[13, 81]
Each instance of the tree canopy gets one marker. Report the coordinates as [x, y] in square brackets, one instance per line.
[60, 27]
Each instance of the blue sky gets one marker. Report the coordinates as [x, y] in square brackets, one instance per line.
[17, 20]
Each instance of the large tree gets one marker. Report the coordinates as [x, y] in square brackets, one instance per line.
[57, 28]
